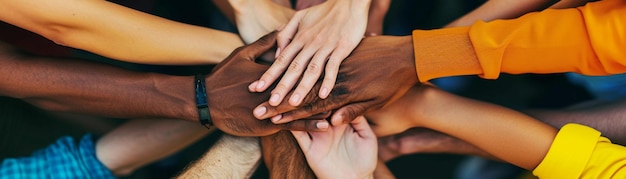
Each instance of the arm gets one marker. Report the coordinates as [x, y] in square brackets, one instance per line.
[500, 9]
[230, 157]
[504, 133]
[121, 33]
[103, 90]
[139, 142]
[534, 43]
[424, 141]
[569, 4]
[606, 117]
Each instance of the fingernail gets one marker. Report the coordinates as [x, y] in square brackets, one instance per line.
[337, 119]
[276, 118]
[260, 84]
[295, 99]
[274, 99]
[277, 53]
[324, 93]
[252, 86]
[322, 125]
[260, 111]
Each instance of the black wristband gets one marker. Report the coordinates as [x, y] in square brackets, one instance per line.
[201, 102]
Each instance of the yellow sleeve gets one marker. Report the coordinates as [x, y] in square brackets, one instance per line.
[586, 40]
[580, 152]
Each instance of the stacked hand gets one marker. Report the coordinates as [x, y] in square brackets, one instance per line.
[230, 102]
[315, 41]
[379, 70]
[344, 151]
[256, 18]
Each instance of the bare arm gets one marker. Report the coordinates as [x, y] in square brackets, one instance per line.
[606, 117]
[230, 157]
[118, 32]
[91, 88]
[79, 86]
[142, 141]
[568, 4]
[500, 9]
[504, 133]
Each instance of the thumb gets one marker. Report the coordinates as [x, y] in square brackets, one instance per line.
[349, 112]
[259, 47]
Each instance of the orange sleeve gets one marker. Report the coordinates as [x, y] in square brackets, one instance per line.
[584, 40]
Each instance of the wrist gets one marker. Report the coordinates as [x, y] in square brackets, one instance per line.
[430, 104]
[204, 114]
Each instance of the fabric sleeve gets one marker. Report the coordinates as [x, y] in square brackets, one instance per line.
[63, 159]
[580, 152]
[586, 40]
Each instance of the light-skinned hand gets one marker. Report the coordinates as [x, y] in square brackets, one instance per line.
[315, 41]
[344, 151]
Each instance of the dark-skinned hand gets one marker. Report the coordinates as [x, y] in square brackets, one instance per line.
[378, 71]
[231, 103]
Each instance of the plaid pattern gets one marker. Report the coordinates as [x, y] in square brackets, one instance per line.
[63, 159]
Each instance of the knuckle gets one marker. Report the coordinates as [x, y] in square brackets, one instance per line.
[333, 64]
[282, 60]
[295, 65]
[314, 68]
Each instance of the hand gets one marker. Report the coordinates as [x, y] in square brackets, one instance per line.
[323, 36]
[231, 104]
[378, 10]
[413, 141]
[399, 115]
[380, 69]
[256, 18]
[344, 151]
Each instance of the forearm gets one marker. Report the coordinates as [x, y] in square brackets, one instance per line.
[230, 157]
[142, 141]
[500, 9]
[562, 4]
[606, 117]
[91, 88]
[118, 32]
[504, 133]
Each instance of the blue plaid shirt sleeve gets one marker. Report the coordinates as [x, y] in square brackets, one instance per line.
[63, 159]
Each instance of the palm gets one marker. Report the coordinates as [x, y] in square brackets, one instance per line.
[342, 150]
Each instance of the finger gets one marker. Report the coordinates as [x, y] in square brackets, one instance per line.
[265, 110]
[296, 113]
[261, 46]
[288, 32]
[310, 76]
[306, 125]
[347, 113]
[291, 76]
[303, 138]
[252, 86]
[312, 106]
[331, 70]
[278, 67]
[362, 128]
